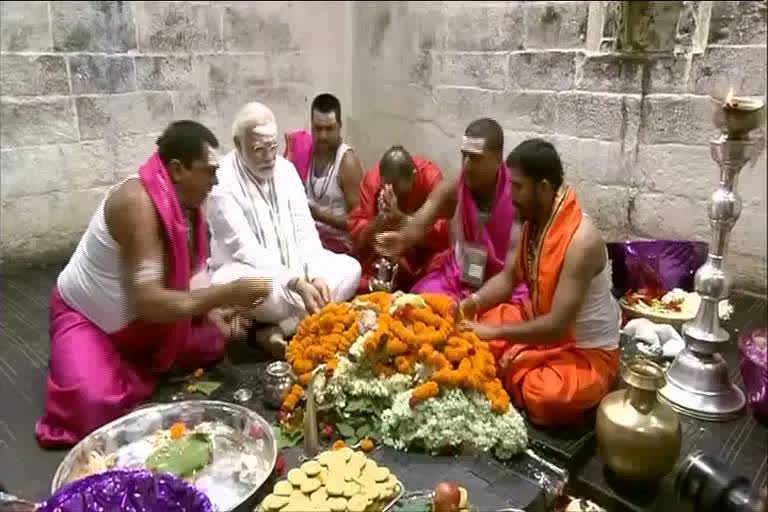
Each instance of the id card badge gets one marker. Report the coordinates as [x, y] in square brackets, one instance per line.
[473, 265]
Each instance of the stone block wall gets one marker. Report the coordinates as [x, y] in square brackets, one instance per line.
[86, 88]
[632, 127]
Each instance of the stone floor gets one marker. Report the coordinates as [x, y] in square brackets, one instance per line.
[27, 470]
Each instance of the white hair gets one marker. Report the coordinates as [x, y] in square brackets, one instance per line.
[253, 114]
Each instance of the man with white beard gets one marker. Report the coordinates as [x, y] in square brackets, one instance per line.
[261, 226]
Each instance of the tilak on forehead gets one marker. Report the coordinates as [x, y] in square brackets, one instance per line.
[474, 145]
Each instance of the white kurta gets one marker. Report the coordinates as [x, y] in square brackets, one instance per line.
[265, 229]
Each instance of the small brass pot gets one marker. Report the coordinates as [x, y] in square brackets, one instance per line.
[638, 437]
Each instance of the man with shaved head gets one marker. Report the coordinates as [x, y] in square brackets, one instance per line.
[261, 225]
[390, 193]
[481, 214]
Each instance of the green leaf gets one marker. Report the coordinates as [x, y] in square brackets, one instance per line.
[362, 431]
[287, 439]
[355, 405]
[206, 387]
[181, 457]
[345, 430]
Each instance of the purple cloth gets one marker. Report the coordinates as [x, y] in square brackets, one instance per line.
[754, 370]
[494, 237]
[128, 491]
[655, 264]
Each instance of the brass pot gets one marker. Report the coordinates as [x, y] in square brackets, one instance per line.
[638, 437]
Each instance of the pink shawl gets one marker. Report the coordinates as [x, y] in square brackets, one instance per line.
[495, 236]
[298, 150]
[158, 185]
[444, 275]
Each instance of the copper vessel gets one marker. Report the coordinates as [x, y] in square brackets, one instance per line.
[638, 437]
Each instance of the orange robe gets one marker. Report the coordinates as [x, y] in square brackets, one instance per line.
[415, 262]
[556, 383]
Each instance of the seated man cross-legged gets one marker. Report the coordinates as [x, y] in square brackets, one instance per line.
[261, 226]
[390, 193]
[134, 302]
[479, 212]
[558, 352]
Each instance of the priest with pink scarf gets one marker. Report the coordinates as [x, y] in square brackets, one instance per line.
[134, 301]
[479, 206]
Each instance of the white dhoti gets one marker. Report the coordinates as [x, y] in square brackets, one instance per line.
[264, 229]
[285, 308]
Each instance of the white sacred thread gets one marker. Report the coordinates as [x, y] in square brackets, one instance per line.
[149, 271]
[472, 145]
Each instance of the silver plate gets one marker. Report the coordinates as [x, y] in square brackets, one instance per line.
[230, 426]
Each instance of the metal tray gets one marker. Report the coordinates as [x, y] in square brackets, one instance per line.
[234, 429]
[387, 508]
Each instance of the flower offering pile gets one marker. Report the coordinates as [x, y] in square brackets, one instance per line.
[397, 370]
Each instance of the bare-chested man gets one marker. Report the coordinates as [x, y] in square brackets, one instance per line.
[481, 214]
[559, 350]
[134, 300]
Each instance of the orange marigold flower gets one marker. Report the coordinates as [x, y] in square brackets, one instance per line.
[290, 402]
[384, 370]
[404, 364]
[425, 391]
[305, 378]
[396, 347]
[425, 351]
[178, 430]
[338, 445]
[500, 404]
[303, 366]
[367, 445]
[437, 361]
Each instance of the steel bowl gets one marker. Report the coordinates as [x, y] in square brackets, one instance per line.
[248, 429]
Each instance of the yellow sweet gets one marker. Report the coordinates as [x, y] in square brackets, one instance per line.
[337, 504]
[310, 485]
[345, 453]
[382, 475]
[319, 496]
[334, 486]
[273, 503]
[357, 504]
[311, 468]
[351, 489]
[325, 458]
[296, 476]
[297, 495]
[283, 488]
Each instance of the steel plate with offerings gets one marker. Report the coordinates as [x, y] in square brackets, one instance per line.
[335, 481]
[224, 450]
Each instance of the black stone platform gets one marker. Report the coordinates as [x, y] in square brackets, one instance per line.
[27, 470]
[740, 443]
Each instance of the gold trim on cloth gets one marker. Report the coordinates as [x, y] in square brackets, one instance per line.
[533, 260]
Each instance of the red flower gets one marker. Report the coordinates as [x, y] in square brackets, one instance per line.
[328, 431]
[256, 431]
[280, 465]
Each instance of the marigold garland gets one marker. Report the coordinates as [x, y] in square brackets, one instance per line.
[401, 339]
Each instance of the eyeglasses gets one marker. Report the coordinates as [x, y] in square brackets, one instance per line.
[265, 150]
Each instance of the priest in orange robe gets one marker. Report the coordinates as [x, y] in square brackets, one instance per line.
[557, 351]
[389, 194]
